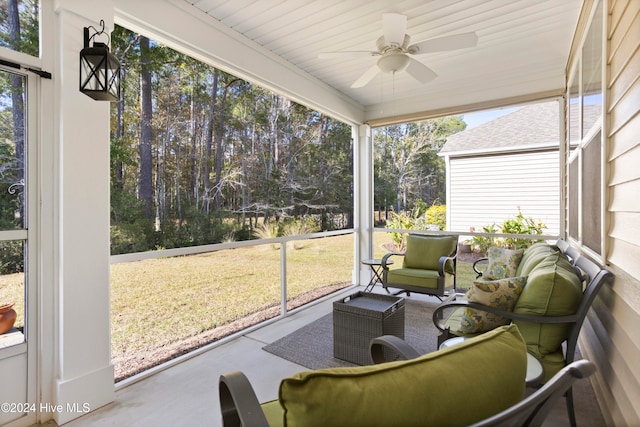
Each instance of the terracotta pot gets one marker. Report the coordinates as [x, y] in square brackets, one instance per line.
[7, 317]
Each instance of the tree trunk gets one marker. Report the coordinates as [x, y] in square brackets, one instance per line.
[209, 143]
[219, 147]
[145, 184]
[120, 133]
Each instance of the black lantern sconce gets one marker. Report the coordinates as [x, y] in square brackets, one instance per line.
[99, 69]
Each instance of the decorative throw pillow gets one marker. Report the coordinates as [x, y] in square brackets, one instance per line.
[503, 294]
[502, 263]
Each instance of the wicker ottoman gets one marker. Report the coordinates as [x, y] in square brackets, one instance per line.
[360, 317]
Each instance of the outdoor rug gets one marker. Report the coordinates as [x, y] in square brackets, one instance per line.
[312, 345]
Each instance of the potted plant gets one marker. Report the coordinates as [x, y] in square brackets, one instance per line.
[7, 317]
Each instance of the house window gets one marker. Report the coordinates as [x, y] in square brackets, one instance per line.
[585, 156]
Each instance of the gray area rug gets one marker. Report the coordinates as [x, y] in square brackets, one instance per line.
[312, 345]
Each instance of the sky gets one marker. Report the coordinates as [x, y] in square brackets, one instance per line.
[474, 119]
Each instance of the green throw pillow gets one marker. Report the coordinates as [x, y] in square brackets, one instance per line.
[502, 263]
[501, 294]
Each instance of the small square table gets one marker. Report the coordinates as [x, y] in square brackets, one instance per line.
[359, 318]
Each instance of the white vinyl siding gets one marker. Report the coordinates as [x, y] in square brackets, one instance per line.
[488, 189]
[611, 337]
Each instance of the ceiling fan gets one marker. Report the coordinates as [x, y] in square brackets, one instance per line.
[394, 51]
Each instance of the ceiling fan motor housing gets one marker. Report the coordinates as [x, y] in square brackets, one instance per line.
[393, 62]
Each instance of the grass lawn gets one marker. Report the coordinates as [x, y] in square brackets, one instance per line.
[158, 304]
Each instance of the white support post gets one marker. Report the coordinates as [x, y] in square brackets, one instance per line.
[363, 199]
[283, 278]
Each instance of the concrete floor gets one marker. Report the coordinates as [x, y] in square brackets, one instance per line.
[186, 393]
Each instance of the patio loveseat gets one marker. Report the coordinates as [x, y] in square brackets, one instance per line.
[422, 391]
[547, 291]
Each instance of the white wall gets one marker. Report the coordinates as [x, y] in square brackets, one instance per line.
[487, 189]
[82, 370]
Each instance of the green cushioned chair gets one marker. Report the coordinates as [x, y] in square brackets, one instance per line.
[428, 266]
[561, 286]
[425, 391]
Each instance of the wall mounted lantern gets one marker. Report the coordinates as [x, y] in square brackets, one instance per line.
[99, 69]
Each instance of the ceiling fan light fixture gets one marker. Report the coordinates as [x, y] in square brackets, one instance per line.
[393, 63]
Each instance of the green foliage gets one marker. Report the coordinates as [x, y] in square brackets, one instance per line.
[437, 215]
[518, 225]
[27, 40]
[481, 244]
[225, 152]
[420, 218]
[11, 257]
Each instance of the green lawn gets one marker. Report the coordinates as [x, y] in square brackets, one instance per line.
[156, 303]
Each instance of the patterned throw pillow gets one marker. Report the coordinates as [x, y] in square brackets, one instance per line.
[501, 294]
[502, 263]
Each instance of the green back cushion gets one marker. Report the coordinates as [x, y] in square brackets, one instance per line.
[483, 375]
[424, 251]
[552, 289]
[533, 256]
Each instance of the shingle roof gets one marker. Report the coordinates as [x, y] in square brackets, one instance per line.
[532, 125]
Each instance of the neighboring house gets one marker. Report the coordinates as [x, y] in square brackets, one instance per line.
[507, 165]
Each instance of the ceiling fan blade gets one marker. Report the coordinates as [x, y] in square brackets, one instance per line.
[347, 54]
[394, 26]
[366, 77]
[420, 72]
[458, 41]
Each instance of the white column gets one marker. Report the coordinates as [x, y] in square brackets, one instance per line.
[363, 198]
[83, 373]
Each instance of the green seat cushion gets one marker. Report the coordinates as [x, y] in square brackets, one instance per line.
[413, 277]
[533, 256]
[552, 289]
[483, 375]
[501, 294]
[273, 412]
[502, 263]
[424, 252]
[552, 363]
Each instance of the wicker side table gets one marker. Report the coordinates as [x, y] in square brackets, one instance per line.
[360, 317]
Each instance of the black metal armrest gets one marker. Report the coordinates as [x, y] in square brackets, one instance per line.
[533, 318]
[393, 343]
[475, 264]
[386, 257]
[442, 262]
[238, 402]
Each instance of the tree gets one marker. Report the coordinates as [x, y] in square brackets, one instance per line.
[198, 146]
[145, 184]
[406, 159]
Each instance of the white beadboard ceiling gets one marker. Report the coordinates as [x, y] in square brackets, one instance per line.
[522, 50]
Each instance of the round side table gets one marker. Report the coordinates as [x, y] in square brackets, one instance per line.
[376, 268]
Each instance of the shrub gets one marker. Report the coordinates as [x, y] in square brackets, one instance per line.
[420, 218]
[437, 215]
[518, 225]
